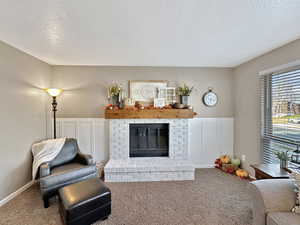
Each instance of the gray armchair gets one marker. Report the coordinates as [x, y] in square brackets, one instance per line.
[69, 166]
[273, 201]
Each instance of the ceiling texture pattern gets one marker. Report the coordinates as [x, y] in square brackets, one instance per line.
[196, 33]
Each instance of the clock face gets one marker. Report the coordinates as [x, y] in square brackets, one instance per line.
[210, 99]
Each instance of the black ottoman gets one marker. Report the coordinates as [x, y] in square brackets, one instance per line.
[85, 202]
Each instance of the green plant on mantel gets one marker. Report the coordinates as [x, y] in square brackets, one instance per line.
[114, 90]
[282, 155]
[184, 90]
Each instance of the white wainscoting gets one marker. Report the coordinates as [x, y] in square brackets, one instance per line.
[91, 134]
[209, 137]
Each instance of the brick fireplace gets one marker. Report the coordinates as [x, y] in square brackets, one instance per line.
[163, 143]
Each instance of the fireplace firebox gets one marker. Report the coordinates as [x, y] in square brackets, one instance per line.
[149, 140]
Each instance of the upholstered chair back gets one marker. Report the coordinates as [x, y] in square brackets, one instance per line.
[67, 154]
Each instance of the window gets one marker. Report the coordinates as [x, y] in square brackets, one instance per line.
[280, 113]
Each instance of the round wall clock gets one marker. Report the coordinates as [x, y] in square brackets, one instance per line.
[210, 98]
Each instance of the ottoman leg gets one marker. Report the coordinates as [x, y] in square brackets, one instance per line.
[46, 202]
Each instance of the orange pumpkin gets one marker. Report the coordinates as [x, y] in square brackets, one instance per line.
[225, 159]
[242, 173]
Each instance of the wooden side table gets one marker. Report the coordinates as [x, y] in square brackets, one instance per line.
[270, 171]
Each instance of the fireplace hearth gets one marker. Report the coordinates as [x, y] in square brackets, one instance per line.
[149, 140]
[149, 150]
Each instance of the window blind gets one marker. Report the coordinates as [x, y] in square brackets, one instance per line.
[280, 104]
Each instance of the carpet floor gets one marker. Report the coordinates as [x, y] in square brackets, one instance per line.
[214, 198]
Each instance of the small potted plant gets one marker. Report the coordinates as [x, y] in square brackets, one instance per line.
[114, 92]
[284, 157]
[184, 94]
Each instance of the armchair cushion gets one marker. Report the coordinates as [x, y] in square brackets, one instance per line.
[65, 174]
[283, 218]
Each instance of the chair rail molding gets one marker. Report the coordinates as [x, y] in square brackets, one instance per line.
[209, 137]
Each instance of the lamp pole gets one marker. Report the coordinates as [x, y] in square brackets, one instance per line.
[54, 109]
[54, 92]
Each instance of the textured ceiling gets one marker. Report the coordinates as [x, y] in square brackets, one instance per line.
[214, 33]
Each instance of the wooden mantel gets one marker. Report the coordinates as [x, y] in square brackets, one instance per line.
[149, 114]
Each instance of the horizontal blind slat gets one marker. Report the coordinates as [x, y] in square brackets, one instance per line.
[280, 109]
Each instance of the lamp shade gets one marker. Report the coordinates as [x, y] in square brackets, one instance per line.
[54, 91]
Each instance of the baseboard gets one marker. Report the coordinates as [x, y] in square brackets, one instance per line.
[201, 166]
[16, 193]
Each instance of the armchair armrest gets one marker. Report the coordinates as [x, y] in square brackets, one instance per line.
[44, 170]
[84, 159]
[271, 195]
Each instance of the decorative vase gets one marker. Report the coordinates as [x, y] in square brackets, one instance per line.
[296, 156]
[115, 100]
[184, 99]
[283, 164]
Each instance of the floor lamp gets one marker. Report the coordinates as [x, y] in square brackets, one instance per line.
[54, 92]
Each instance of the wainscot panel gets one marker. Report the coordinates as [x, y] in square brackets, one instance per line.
[209, 137]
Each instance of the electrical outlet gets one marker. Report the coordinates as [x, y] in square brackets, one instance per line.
[243, 158]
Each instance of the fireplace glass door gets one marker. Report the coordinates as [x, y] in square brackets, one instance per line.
[149, 140]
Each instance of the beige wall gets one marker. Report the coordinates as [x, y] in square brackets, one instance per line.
[22, 114]
[247, 99]
[23, 105]
[86, 87]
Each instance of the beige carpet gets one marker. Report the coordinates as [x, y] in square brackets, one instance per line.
[214, 198]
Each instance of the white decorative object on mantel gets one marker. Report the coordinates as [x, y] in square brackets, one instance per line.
[159, 102]
[129, 102]
[168, 93]
[122, 168]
